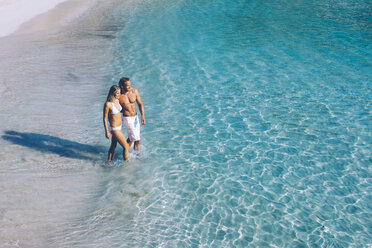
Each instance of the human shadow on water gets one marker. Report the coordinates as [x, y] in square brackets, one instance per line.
[50, 144]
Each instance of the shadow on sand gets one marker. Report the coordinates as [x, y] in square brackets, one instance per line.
[50, 144]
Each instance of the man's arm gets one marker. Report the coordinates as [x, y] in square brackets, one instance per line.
[141, 108]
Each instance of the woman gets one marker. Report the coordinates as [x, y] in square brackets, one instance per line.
[112, 109]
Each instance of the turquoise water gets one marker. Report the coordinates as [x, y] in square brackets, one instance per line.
[259, 115]
[258, 134]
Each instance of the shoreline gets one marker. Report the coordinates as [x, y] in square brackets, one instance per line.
[51, 20]
[45, 67]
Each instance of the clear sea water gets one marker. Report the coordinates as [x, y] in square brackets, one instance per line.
[258, 134]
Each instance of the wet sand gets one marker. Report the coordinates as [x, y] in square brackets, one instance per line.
[44, 68]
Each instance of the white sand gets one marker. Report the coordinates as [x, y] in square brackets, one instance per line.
[27, 16]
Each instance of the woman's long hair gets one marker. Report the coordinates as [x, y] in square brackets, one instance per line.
[111, 94]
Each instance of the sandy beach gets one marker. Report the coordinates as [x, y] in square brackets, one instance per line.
[45, 65]
[22, 16]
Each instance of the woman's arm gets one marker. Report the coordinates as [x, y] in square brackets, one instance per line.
[106, 110]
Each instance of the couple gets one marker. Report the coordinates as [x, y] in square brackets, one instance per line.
[123, 99]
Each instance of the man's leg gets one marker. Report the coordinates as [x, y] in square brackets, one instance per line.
[137, 145]
[129, 142]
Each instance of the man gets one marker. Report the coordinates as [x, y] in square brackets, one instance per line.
[128, 98]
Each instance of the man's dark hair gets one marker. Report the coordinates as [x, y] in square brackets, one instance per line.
[123, 80]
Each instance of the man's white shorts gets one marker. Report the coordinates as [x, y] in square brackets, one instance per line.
[133, 127]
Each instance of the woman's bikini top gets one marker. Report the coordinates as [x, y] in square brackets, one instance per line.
[114, 110]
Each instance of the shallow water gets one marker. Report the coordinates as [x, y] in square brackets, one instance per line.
[258, 128]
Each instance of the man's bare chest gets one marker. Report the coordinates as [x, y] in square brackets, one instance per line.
[128, 98]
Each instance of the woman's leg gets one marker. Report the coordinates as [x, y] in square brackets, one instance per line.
[121, 139]
[111, 151]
